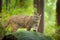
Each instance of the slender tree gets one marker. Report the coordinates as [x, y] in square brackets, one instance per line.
[0, 5]
[7, 5]
[0, 10]
[21, 3]
[41, 12]
[58, 14]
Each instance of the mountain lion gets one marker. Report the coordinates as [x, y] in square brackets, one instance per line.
[19, 21]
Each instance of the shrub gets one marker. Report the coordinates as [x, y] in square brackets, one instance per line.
[26, 35]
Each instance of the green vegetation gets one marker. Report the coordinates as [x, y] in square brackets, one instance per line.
[2, 31]
[50, 16]
[26, 35]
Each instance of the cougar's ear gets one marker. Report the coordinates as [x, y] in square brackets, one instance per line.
[35, 13]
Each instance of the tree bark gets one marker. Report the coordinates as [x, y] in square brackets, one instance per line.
[7, 5]
[58, 15]
[39, 4]
[58, 12]
[0, 5]
[41, 12]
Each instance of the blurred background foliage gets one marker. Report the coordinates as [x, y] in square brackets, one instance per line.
[50, 16]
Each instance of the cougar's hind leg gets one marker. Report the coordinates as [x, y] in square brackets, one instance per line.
[29, 25]
[14, 27]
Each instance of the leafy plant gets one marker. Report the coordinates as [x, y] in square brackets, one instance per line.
[26, 35]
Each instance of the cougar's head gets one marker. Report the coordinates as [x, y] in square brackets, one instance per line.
[37, 16]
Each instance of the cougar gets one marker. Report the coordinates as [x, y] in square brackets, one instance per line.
[20, 21]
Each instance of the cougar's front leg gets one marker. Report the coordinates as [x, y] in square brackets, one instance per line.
[28, 28]
[14, 27]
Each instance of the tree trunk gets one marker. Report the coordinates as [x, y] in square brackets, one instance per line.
[58, 12]
[0, 5]
[58, 15]
[7, 5]
[41, 12]
[39, 4]
[35, 3]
